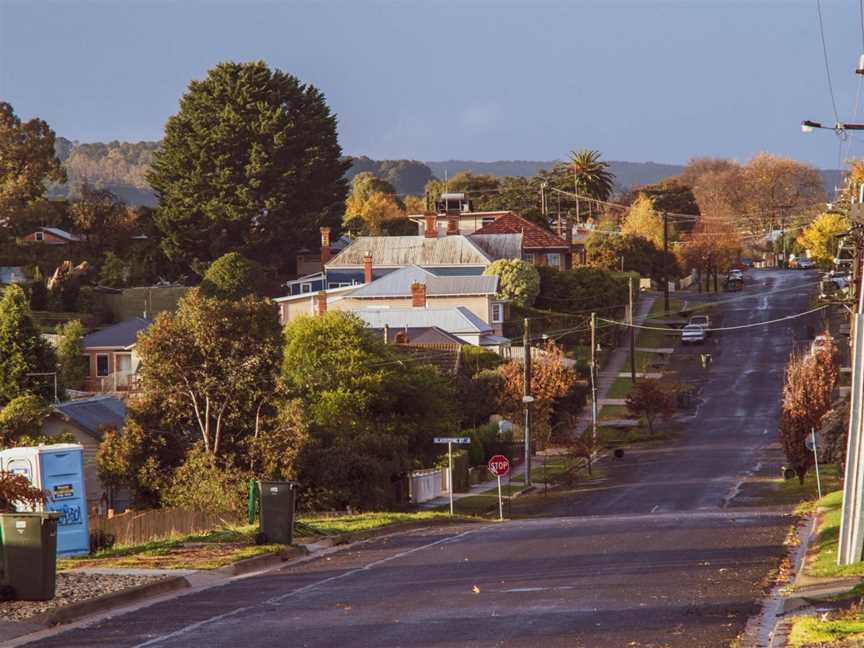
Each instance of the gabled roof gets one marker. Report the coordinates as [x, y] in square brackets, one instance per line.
[407, 250]
[453, 320]
[422, 335]
[123, 335]
[59, 233]
[93, 414]
[533, 236]
[500, 246]
[398, 284]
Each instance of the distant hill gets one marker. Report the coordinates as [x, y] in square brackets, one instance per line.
[122, 166]
[627, 174]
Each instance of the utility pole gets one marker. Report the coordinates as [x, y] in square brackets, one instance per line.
[632, 332]
[527, 398]
[594, 378]
[665, 262]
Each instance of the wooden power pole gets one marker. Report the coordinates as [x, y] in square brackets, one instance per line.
[527, 398]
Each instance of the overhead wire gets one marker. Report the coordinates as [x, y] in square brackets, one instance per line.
[725, 328]
[825, 59]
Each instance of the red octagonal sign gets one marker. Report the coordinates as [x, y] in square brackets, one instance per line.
[499, 465]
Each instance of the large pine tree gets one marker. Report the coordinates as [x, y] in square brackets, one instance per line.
[250, 164]
[23, 350]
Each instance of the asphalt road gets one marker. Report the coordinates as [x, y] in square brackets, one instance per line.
[651, 556]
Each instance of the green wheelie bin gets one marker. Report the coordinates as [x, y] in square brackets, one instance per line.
[29, 554]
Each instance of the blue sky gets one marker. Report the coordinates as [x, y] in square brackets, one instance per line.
[459, 79]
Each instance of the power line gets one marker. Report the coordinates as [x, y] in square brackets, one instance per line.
[825, 58]
[726, 328]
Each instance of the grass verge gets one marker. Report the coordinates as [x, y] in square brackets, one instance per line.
[222, 547]
[818, 631]
[823, 562]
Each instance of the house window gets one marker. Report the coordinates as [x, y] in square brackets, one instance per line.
[305, 288]
[102, 364]
[497, 313]
[553, 259]
[40, 236]
[337, 284]
[528, 256]
[488, 220]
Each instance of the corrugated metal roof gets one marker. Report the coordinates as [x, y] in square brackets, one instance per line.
[452, 320]
[421, 335]
[121, 335]
[94, 414]
[500, 246]
[398, 284]
[411, 250]
[56, 231]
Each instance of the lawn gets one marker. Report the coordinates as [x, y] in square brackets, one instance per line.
[620, 388]
[812, 631]
[222, 547]
[652, 339]
[551, 469]
[485, 502]
[824, 557]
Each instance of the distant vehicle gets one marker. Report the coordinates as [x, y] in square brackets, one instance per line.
[700, 320]
[733, 284]
[820, 343]
[805, 264]
[734, 273]
[746, 263]
[839, 278]
[693, 334]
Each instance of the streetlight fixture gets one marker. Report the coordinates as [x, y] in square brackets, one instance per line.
[808, 126]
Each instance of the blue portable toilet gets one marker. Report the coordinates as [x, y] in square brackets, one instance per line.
[59, 470]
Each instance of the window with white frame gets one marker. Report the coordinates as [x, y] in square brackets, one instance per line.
[102, 365]
[497, 313]
[528, 256]
[40, 236]
[553, 260]
[305, 288]
[337, 284]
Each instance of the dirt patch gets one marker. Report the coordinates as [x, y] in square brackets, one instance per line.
[200, 555]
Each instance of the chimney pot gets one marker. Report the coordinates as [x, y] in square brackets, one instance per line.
[325, 245]
[367, 268]
[322, 302]
[418, 295]
[431, 230]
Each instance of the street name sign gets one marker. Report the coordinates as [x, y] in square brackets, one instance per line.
[456, 440]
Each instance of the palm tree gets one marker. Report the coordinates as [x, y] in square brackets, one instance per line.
[590, 176]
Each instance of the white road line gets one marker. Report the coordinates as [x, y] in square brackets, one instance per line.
[278, 599]
[655, 508]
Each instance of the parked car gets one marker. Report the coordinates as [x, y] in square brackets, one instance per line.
[693, 334]
[735, 273]
[700, 320]
[805, 264]
[839, 278]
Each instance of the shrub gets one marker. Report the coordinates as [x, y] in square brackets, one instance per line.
[22, 417]
[207, 483]
[233, 276]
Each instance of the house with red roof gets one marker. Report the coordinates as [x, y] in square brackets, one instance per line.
[539, 246]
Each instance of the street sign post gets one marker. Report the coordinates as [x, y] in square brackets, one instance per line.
[499, 466]
[450, 441]
[814, 443]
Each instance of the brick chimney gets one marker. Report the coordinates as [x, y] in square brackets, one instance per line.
[325, 245]
[418, 295]
[452, 224]
[321, 298]
[367, 268]
[431, 225]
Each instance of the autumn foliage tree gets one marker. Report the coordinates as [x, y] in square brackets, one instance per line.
[16, 488]
[550, 381]
[810, 379]
[373, 203]
[651, 400]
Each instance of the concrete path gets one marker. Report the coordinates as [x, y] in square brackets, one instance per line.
[617, 361]
[656, 375]
[656, 349]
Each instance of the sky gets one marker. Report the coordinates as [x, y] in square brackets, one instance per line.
[643, 80]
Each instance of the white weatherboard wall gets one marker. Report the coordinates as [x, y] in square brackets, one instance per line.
[424, 485]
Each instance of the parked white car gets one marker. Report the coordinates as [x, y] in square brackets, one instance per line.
[693, 334]
[805, 264]
[735, 273]
[700, 320]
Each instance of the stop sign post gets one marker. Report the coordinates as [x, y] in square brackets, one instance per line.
[499, 465]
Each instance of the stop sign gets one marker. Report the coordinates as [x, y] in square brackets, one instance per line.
[499, 465]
